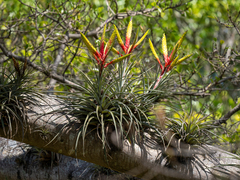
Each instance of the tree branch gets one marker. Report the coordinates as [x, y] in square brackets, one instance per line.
[116, 16]
[228, 115]
[40, 69]
[137, 162]
[57, 61]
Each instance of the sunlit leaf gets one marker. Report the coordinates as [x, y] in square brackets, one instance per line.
[154, 53]
[128, 35]
[181, 39]
[120, 39]
[102, 41]
[117, 60]
[164, 47]
[90, 46]
[140, 40]
[183, 59]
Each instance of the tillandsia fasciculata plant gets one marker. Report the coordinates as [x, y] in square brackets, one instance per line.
[15, 93]
[183, 135]
[170, 61]
[113, 100]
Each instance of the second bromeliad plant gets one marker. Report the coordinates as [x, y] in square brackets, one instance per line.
[114, 100]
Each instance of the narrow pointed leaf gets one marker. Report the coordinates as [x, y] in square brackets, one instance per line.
[183, 59]
[90, 46]
[140, 40]
[120, 41]
[154, 53]
[117, 60]
[174, 62]
[115, 50]
[177, 46]
[164, 47]
[181, 40]
[102, 41]
[128, 35]
[174, 51]
[109, 44]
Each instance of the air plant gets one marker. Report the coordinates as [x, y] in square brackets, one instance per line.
[170, 61]
[116, 104]
[15, 92]
[103, 102]
[183, 137]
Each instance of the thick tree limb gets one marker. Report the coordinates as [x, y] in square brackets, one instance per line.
[136, 163]
[18, 162]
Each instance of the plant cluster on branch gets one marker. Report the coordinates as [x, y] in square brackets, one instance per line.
[118, 100]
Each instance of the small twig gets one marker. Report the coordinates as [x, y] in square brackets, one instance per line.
[202, 94]
[234, 25]
[109, 8]
[220, 81]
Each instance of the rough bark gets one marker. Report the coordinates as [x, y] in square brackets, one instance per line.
[137, 163]
[21, 161]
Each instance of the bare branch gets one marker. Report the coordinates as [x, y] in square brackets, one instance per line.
[36, 67]
[228, 115]
[234, 24]
[117, 16]
[57, 61]
[202, 94]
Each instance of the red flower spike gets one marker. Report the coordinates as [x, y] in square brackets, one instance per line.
[169, 62]
[102, 41]
[164, 48]
[127, 48]
[105, 48]
[142, 38]
[128, 35]
[109, 44]
[96, 58]
[114, 50]
[155, 54]
[134, 42]
[90, 46]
